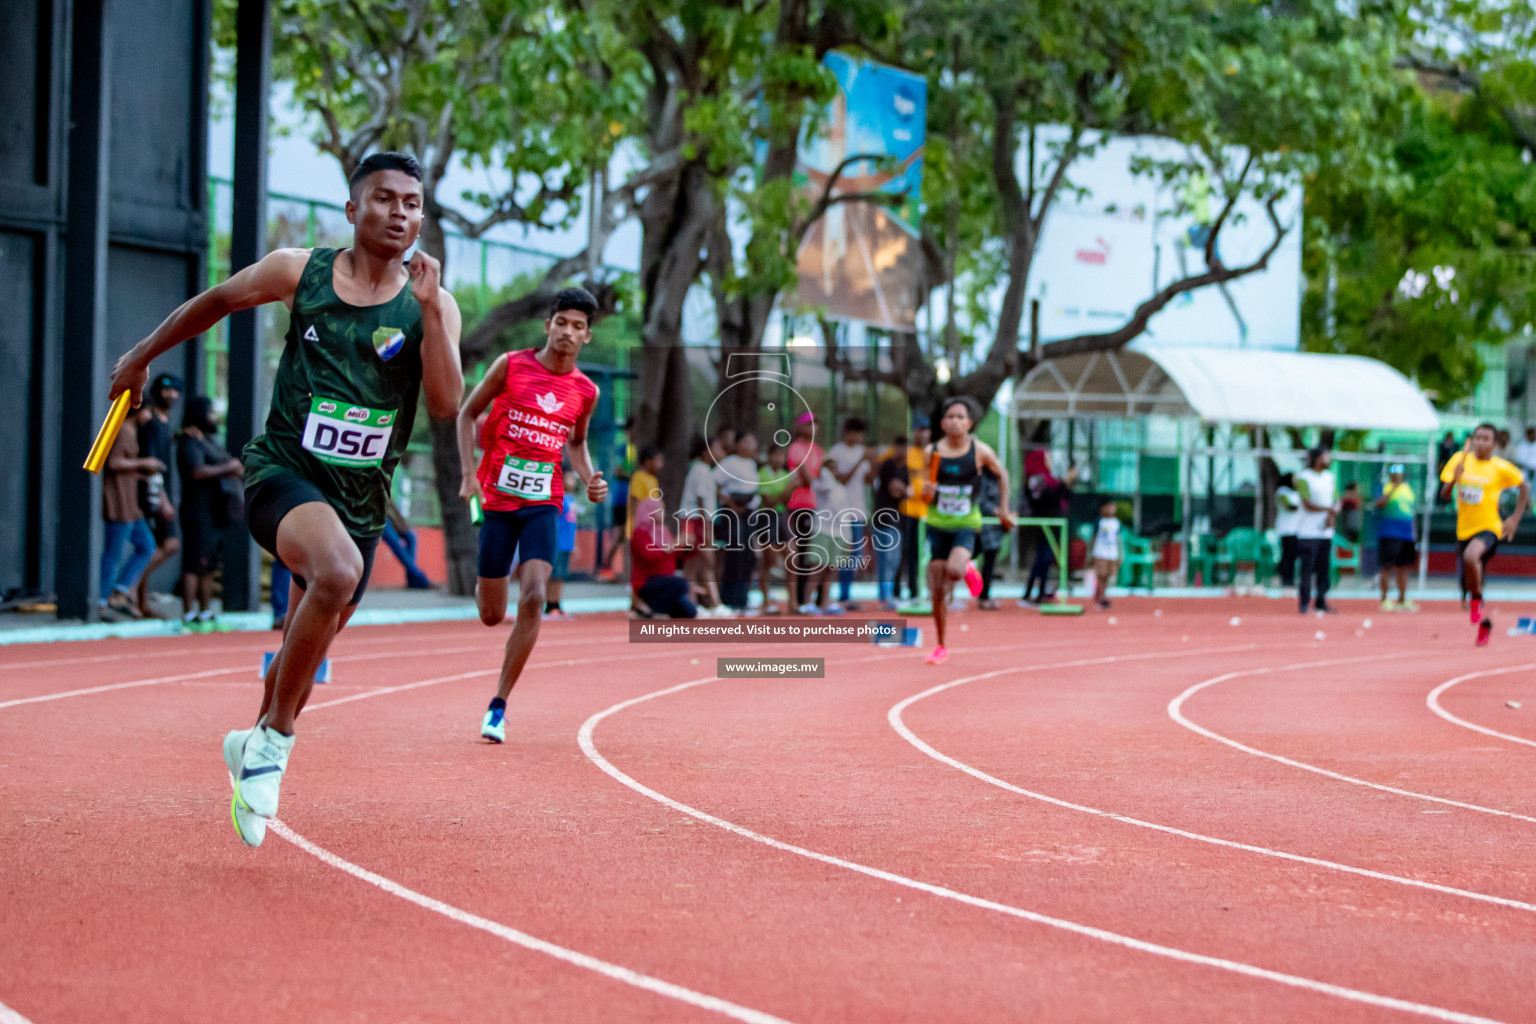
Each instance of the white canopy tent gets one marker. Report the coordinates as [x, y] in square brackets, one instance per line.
[1255, 387]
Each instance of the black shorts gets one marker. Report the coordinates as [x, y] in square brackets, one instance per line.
[269, 500]
[163, 529]
[1490, 541]
[942, 542]
[529, 533]
[1396, 553]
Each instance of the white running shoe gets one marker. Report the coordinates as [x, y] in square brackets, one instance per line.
[494, 728]
[262, 764]
[251, 827]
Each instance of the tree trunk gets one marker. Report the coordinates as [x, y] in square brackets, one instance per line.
[675, 219]
[461, 541]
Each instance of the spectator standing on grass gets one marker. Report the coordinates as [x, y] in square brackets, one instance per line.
[156, 441]
[1048, 498]
[1106, 551]
[697, 511]
[1351, 518]
[849, 465]
[1395, 547]
[770, 523]
[914, 507]
[657, 588]
[211, 502]
[1525, 453]
[989, 539]
[886, 521]
[805, 459]
[737, 479]
[1287, 519]
[125, 524]
[1314, 529]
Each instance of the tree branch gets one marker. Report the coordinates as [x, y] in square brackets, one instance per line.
[1133, 327]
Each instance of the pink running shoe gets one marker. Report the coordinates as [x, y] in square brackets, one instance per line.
[973, 579]
[1484, 631]
[937, 655]
[1477, 610]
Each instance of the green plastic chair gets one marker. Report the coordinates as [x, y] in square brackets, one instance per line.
[1345, 556]
[1239, 547]
[1137, 561]
[1201, 559]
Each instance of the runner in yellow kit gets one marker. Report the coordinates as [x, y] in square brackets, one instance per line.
[1477, 477]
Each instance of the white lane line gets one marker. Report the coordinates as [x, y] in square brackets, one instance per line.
[1176, 712]
[894, 716]
[121, 686]
[381, 691]
[10, 1016]
[588, 747]
[609, 970]
[1433, 700]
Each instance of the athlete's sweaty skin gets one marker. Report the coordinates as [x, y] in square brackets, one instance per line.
[385, 210]
[566, 331]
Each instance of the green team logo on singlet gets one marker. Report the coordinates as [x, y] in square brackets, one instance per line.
[387, 341]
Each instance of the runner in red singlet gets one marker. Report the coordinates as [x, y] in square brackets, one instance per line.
[539, 403]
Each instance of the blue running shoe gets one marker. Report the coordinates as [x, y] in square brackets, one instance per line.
[494, 728]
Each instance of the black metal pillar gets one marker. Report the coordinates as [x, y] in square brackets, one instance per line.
[253, 80]
[83, 381]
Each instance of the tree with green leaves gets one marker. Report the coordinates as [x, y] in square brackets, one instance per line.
[1261, 96]
[523, 91]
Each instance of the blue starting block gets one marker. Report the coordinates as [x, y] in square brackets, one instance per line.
[322, 674]
[1523, 627]
[910, 636]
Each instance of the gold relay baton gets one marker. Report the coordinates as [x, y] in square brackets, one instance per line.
[107, 435]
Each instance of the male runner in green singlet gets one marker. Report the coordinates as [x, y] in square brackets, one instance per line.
[367, 334]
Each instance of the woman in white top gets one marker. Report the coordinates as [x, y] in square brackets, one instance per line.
[696, 509]
[1106, 551]
[849, 467]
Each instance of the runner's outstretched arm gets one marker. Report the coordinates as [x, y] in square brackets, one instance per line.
[442, 378]
[581, 459]
[271, 279]
[479, 400]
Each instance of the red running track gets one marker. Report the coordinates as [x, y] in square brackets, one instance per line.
[1163, 817]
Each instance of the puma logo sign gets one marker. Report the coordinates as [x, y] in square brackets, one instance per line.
[549, 403]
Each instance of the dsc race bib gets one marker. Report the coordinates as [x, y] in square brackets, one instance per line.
[527, 479]
[1470, 494]
[342, 434]
[953, 501]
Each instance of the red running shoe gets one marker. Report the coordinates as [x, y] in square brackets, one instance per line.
[1484, 631]
[973, 579]
[1477, 610]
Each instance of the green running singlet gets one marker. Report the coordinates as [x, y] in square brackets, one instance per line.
[344, 398]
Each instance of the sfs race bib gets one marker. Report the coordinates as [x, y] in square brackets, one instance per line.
[343, 434]
[527, 479]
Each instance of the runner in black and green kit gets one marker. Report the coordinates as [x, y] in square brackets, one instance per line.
[367, 335]
[955, 462]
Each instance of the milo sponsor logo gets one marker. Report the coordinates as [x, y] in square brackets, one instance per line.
[358, 437]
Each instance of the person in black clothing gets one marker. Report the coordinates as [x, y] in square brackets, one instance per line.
[1048, 498]
[210, 493]
[154, 426]
[990, 539]
[891, 481]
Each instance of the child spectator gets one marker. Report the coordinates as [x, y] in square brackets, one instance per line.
[1106, 551]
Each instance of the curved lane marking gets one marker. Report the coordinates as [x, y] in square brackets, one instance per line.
[628, 976]
[588, 747]
[1433, 700]
[894, 716]
[1176, 712]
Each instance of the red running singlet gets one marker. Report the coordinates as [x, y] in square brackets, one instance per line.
[525, 432]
